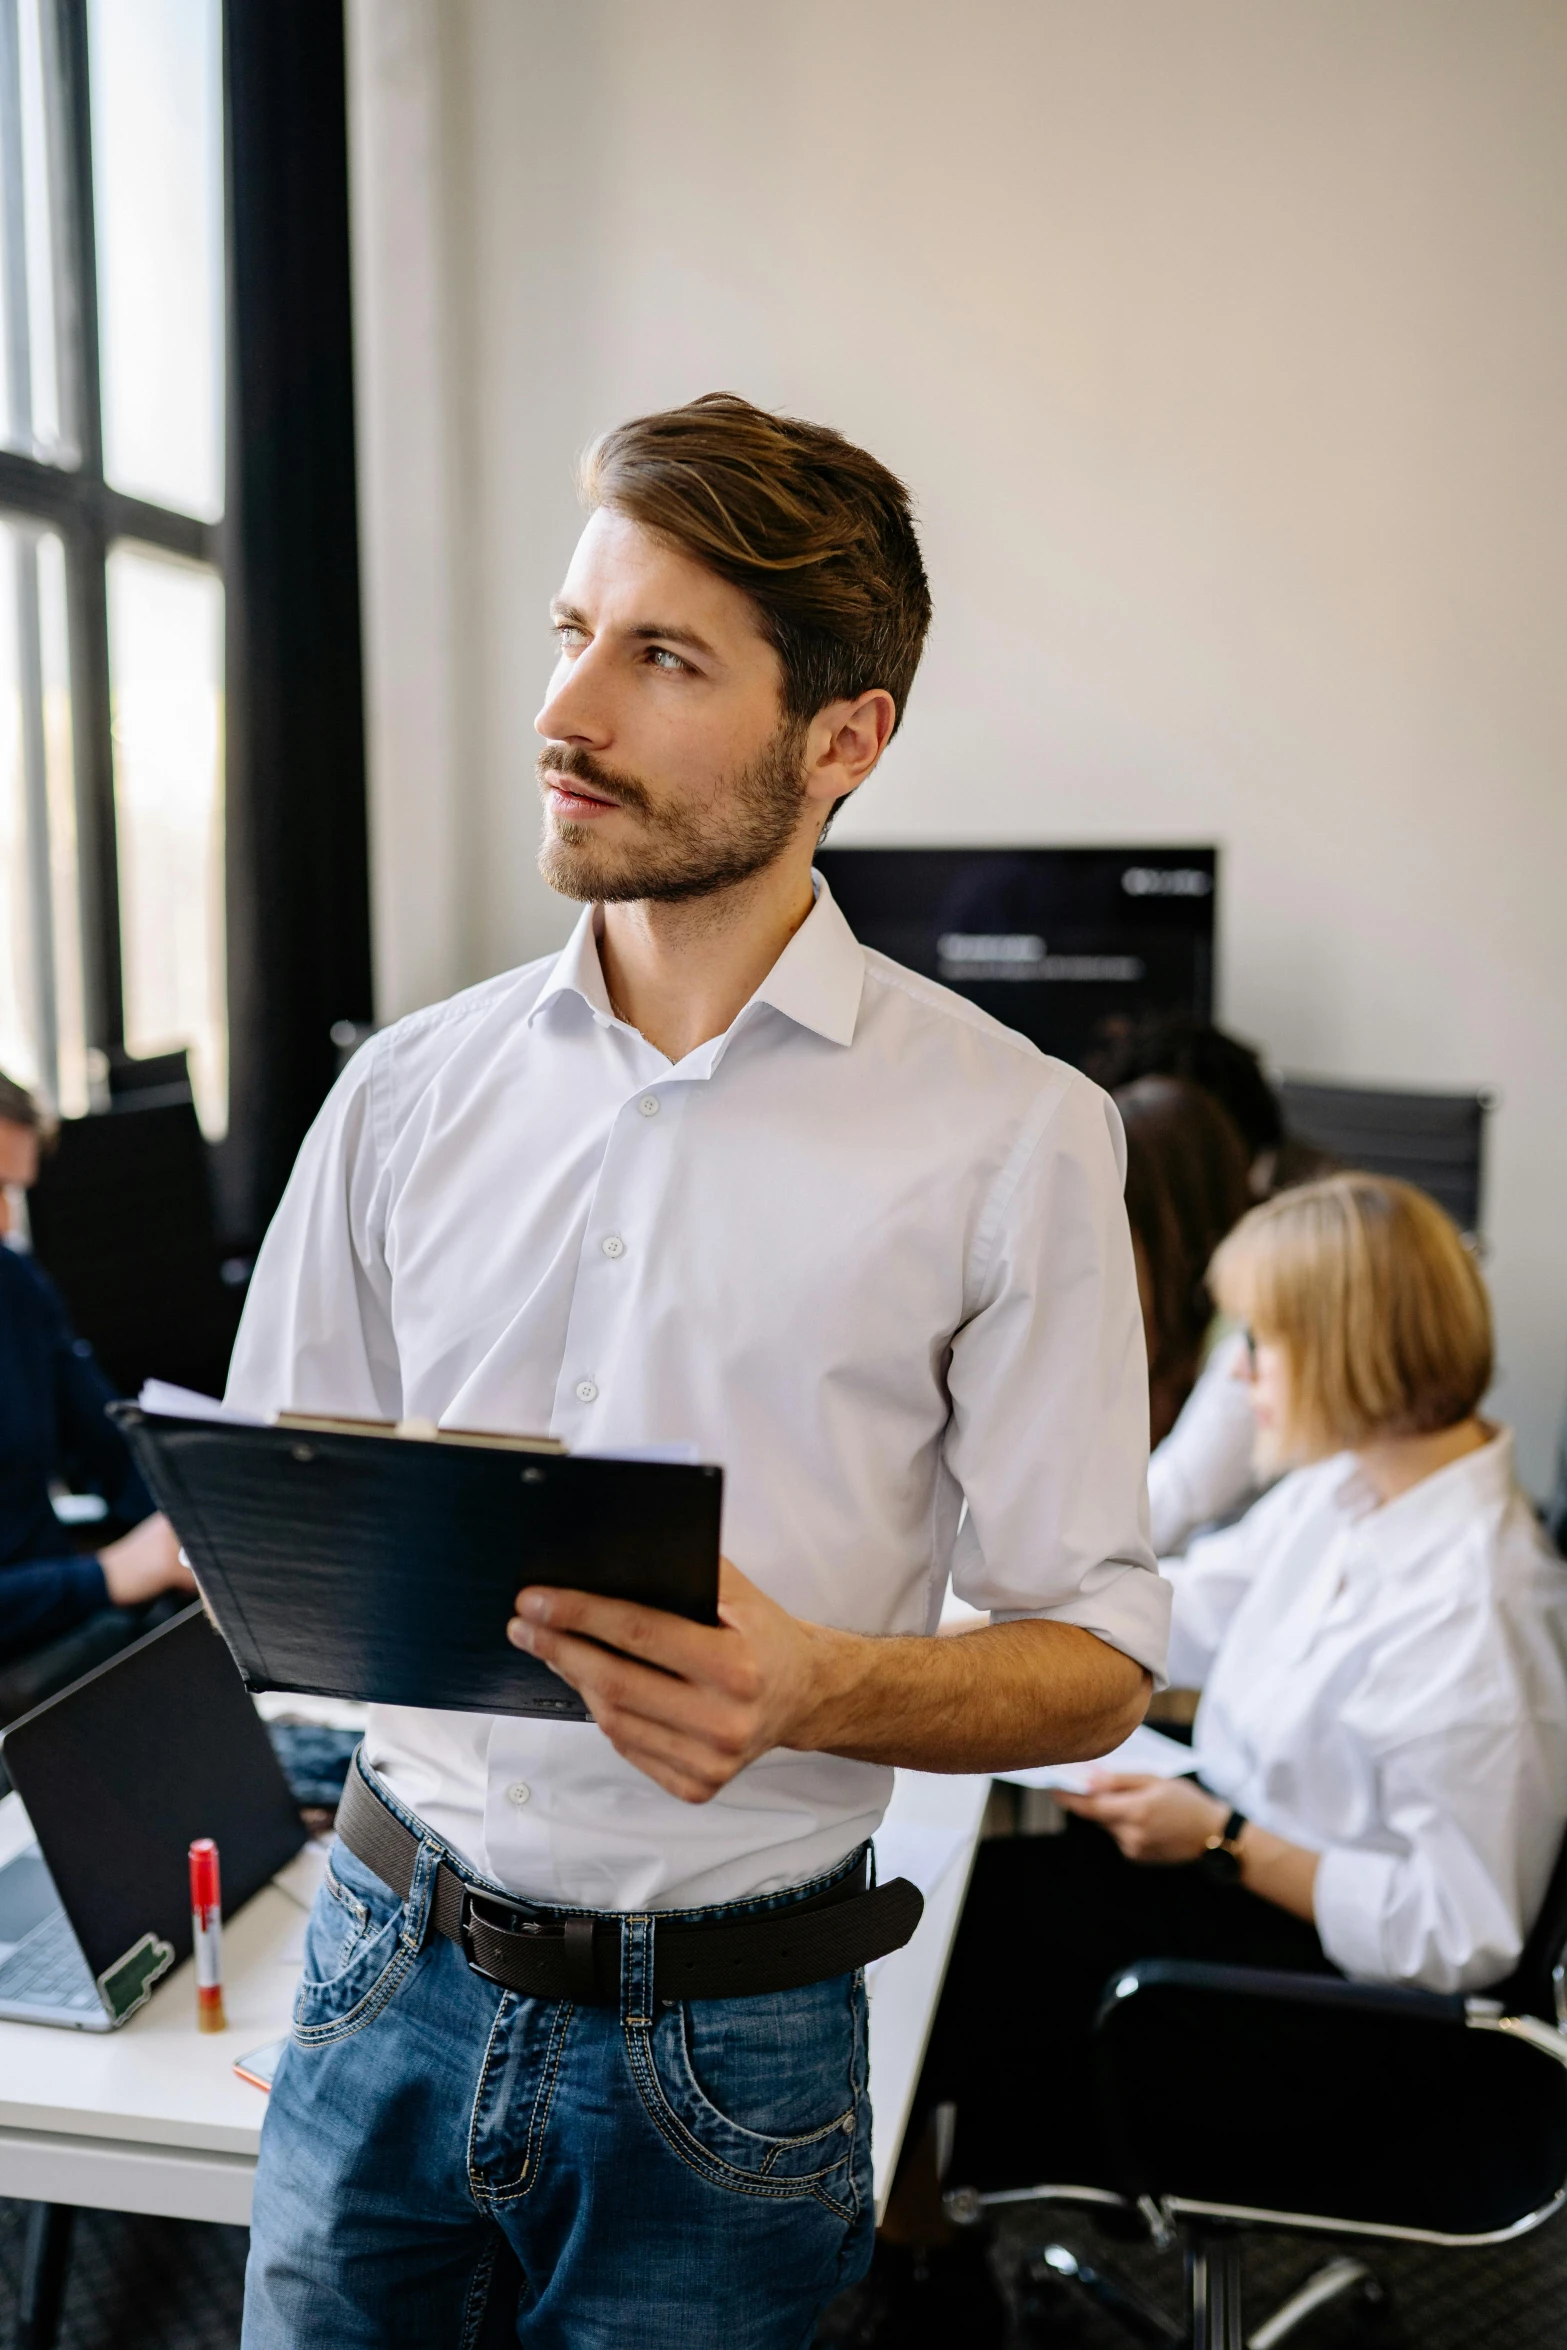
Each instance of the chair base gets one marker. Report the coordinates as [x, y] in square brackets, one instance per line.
[1215, 2309]
[45, 2257]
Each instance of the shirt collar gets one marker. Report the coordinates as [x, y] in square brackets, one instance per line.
[816, 982]
[819, 978]
[1403, 1529]
[577, 970]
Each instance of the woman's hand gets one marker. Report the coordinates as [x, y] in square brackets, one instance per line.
[1168, 1821]
[1164, 1821]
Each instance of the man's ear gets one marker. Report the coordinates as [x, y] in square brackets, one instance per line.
[843, 743]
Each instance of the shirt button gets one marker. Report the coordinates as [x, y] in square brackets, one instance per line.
[649, 1105]
[587, 1391]
[518, 1792]
[613, 1245]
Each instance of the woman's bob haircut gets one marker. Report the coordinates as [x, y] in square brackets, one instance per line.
[1378, 1306]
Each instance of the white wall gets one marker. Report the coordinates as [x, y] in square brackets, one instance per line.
[1225, 349]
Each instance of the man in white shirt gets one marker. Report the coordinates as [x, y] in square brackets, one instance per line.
[715, 1175]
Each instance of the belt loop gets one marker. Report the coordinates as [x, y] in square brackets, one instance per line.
[419, 1906]
[636, 1972]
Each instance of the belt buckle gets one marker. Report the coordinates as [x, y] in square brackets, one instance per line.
[509, 1920]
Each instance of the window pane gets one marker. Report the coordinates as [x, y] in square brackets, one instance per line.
[41, 1036]
[29, 379]
[166, 698]
[158, 212]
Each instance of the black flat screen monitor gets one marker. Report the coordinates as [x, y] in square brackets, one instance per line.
[1063, 944]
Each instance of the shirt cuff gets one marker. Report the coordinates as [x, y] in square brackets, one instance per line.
[1350, 1901]
[1129, 1609]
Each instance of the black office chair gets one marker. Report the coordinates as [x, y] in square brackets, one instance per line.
[123, 1221]
[1433, 1139]
[1451, 2129]
[147, 1081]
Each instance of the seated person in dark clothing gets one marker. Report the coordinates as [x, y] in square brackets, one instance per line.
[1382, 1648]
[52, 1427]
[1174, 1044]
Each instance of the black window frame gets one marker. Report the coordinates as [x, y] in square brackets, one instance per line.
[89, 517]
[286, 550]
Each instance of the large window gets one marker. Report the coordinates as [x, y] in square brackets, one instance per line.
[112, 473]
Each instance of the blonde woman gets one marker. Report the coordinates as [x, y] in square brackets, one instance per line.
[1381, 1642]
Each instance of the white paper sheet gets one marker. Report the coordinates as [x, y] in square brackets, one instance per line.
[167, 1402]
[1146, 1750]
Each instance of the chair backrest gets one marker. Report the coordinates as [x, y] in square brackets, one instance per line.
[1433, 1139]
[122, 1221]
[1532, 1984]
[147, 1081]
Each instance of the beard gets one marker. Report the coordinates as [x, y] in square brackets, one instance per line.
[683, 851]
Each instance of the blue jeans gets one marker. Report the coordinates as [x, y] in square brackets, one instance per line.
[686, 2175]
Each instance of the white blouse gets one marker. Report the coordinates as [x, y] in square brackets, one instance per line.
[1203, 1469]
[1388, 1687]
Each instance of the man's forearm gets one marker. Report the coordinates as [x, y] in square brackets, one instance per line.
[1007, 1697]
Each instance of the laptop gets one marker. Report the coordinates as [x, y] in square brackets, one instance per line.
[119, 1774]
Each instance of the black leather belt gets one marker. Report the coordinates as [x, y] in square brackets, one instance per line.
[544, 1956]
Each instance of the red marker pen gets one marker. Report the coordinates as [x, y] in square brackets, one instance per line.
[206, 1917]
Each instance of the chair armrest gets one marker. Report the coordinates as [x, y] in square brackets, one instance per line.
[1333, 1992]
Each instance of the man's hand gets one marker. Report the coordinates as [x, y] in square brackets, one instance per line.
[144, 1563]
[1160, 1820]
[692, 1704]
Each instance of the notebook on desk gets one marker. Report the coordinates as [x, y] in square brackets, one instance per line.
[354, 1560]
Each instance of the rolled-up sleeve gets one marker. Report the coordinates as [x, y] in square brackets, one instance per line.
[1449, 1900]
[316, 1333]
[1048, 1381]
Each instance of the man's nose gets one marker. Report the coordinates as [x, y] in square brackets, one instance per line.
[576, 708]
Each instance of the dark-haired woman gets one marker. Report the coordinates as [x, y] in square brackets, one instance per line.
[1186, 1187]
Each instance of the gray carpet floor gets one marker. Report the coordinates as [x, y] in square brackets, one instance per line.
[153, 2284]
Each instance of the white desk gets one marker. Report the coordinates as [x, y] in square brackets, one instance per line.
[152, 2117]
[939, 1813]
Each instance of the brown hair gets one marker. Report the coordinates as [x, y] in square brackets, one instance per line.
[1378, 1305]
[818, 534]
[18, 1107]
[1186, 1185]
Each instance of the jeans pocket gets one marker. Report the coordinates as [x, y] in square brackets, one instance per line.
[358, 1949]
[763, 2095]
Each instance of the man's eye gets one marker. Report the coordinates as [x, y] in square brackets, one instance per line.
[568, 636]
[662, 658]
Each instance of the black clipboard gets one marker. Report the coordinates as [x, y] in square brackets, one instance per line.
[383, 1568]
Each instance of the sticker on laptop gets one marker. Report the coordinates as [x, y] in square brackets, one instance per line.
[128, 1983]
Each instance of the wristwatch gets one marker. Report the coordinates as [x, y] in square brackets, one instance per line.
[1222, 1856]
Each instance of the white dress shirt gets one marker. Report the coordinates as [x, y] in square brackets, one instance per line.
[867, 1250]
[1388, 1686]
[1203, 1469]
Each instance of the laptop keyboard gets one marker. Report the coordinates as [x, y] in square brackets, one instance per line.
[47, 1969]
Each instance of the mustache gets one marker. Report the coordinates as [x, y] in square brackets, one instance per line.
[579, 766]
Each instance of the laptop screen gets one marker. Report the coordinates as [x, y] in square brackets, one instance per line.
[121, 1772]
